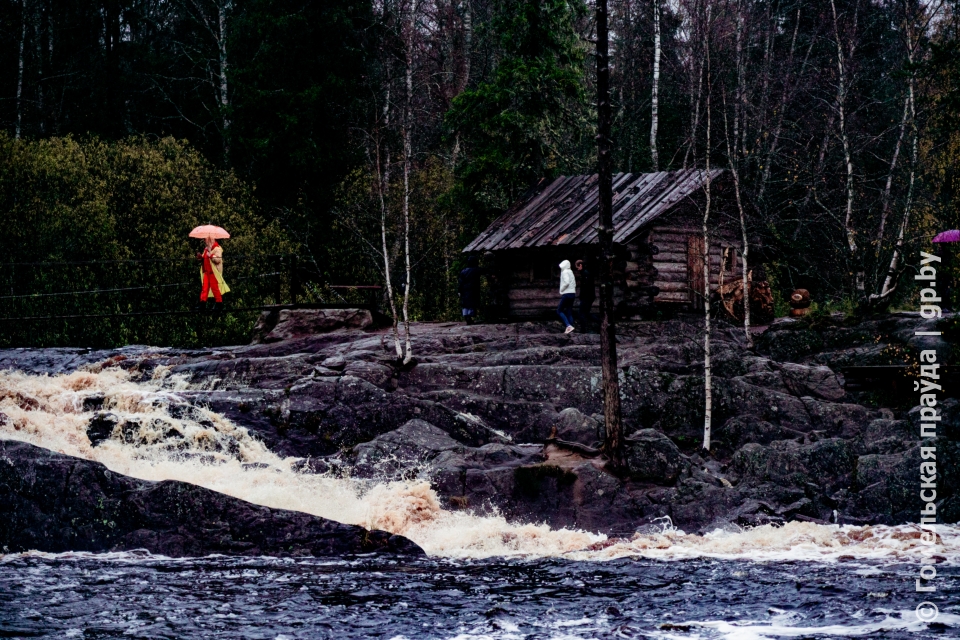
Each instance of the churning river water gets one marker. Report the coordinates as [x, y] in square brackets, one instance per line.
[484, 577]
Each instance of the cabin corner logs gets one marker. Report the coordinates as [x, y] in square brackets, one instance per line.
[658, 234]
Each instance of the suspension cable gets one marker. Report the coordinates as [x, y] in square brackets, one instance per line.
[136, 260]
[152, 286]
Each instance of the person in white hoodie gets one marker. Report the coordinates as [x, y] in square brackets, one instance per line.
[568, 293]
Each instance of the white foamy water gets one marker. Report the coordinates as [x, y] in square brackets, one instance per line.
[789, 625]
[160, 437]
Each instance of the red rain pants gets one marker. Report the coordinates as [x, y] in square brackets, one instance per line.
[209, 279]
[210, 282]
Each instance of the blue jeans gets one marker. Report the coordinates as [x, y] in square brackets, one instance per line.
[565, 308]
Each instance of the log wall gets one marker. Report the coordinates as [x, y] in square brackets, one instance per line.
[655, 267]
[673, 262]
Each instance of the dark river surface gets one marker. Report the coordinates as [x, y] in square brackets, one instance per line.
[141, 596]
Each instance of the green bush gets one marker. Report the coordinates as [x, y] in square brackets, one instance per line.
[103, 205]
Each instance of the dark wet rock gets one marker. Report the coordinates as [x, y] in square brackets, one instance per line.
[318, 466]
[883, 436]
[336, 363]
[101, 427]
[576, 427]
[52, 361]
[818, 381]
[323, 372]
[948, 426]
[53, 502]
[887, 487]
[741, 430]
[402, 453]
[844, 420]
[653, 457]
[93, 402]
[289, 324]
[272, 372]
[788, 439]
[700, 505]
[517, 420]
[376, 374]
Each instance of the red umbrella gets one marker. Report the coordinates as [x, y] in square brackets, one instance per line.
[209, 231]
[948, 236]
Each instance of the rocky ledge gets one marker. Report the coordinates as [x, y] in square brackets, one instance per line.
[53, 502]
[507, 417]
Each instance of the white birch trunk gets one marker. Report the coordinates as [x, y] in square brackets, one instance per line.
[909, 107]
[734, 157]
[738, 98]
[694, 97]
[467, 45]
[384, 186]
[41, 69]
[890, 282]
[407, 152]
[222, 10]
[733, 161]
[691, 145]
[784, 99]
[23, 40]
[841, 99]
[885, 210]
[655, 90]
[707, 381]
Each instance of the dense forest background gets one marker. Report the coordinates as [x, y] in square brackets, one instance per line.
[337, 130]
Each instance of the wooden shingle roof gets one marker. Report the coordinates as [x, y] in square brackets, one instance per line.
[564, 212]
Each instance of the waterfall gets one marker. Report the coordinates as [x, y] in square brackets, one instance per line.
[146, 429]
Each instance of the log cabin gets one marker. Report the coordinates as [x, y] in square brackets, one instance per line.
[658, 240]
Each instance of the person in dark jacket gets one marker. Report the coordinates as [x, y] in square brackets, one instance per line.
[588, 293]
[469, 289]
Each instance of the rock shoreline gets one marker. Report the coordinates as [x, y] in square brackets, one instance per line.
[53, 502]
[483, 411]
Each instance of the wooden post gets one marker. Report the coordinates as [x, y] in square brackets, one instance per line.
[278, 286]
[613, 443]
[294, 279]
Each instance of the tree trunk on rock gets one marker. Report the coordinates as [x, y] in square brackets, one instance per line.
[613, 443]
[707, 382]
[407, 152]
[383, 182]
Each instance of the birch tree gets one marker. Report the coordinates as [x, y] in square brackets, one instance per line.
[20, 61]
[707, 381]
[733, 162]
[224, 7]
[383, 188]
[890, 281]
[213, 19]
[844, 137]
[467, 45]
[655, 88]
[407, 153]
[733, 155]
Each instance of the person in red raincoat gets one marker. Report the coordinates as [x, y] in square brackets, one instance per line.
[211, 273]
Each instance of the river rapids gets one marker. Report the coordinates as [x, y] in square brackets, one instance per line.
[484, 577]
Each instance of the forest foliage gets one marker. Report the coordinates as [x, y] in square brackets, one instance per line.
[331, 129]
[100, 228]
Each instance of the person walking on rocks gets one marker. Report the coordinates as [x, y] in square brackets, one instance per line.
[468, 286]
[568, 292]
[588, 293]
[211, 273]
